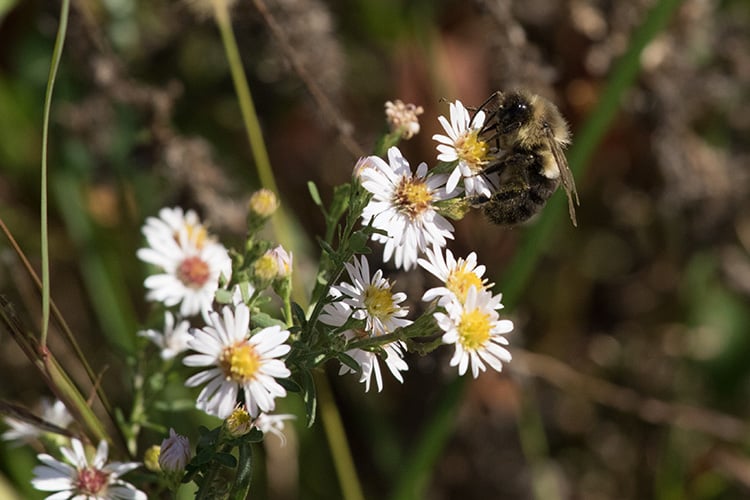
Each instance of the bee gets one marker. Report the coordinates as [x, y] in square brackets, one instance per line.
[529, 135]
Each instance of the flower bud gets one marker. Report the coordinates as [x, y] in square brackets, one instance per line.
[151, 458]
[238, 423]
[263, 203]
[175, 453]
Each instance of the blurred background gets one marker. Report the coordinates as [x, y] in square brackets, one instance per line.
[631, 370]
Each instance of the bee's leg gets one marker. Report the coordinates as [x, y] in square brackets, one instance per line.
[510, 202]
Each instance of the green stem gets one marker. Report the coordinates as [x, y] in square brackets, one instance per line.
[334, 429]
[56, 56]
[281, 222]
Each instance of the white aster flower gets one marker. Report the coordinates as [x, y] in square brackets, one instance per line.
[78, 479]
[369, 365]
[22, 431]
[457, 275]
[372, 298]
[174, 339]
[403, 206]
[190, 261]
[172, 221]
[476, 331]
[273, 424]
[237, 362]
[337, 314]
[462, 144]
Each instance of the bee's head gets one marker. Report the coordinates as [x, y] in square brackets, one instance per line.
[514, 111]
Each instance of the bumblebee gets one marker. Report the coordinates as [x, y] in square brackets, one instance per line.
[528, 134]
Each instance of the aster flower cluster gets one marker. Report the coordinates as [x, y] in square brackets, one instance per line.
[214, 328]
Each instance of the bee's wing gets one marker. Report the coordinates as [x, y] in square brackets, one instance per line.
[566, 176]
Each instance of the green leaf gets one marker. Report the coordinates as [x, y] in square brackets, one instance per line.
[326, 247]
[309, 397]
[299, 314]
[340, 202]
[263, 320]
[226, 459]
[349, 361]
[289, 384]
[358, 242]
[314, 194]
[244, 476]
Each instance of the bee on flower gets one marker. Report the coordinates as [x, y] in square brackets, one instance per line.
[463, 145]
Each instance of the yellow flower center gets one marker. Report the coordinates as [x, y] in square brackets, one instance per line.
[238, 423]
[412, 197]
[196, 234]
[474, 329]
[460, 280]
[193, 272]
[379, 302]
[472, 150]
[266, 268]
[239, 362]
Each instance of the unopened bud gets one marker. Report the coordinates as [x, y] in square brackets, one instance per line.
[175, 453]
[238, 423]
[263, 203]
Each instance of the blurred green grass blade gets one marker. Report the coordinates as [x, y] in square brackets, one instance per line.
[104, 283]
[415, 475]
[56, 56]
[419, 465]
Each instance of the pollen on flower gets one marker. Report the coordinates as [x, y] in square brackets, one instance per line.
[196, 234]
[379, 302]
[472, 150]
[239, 362]
[412, 197]
[460, 280]
[193, 272]
[474, 329]
[91, 481]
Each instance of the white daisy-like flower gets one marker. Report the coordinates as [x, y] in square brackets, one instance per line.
[78, 479]
[273, 424]
[368, 362]
[22, 431]
[372, 298]
[173, 340]
[337, 314]
[477, 332]
[190, 261]
[236, 361]
[173, 220]
[462, 144]
[403, 206]
[457, 275]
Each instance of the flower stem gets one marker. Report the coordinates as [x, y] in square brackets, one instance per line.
[281, 223]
